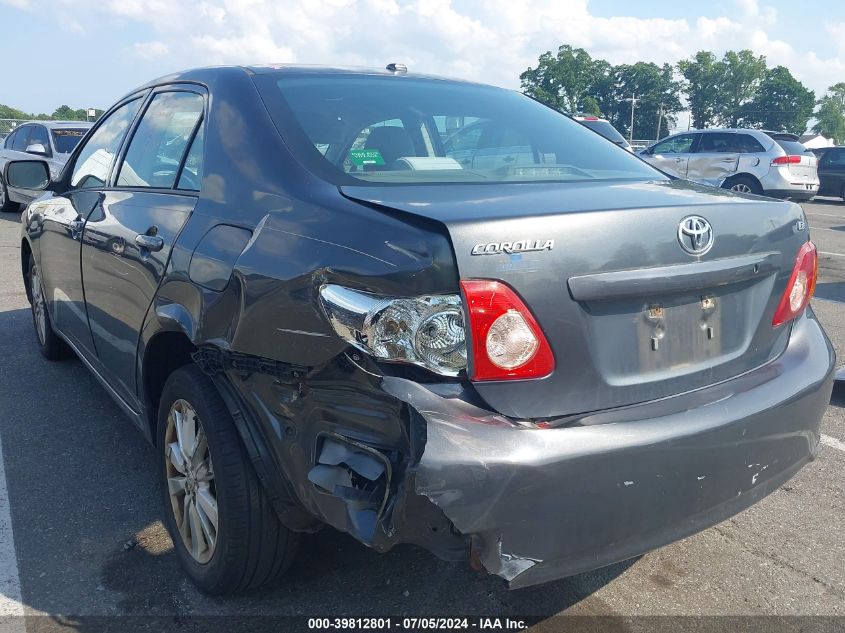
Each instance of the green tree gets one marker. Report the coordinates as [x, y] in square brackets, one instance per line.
[830, 117]
[739, 80]
[658, 98]
[8, 112]
[702, 78]
[782, 103]
[563, 81]
[66, 113]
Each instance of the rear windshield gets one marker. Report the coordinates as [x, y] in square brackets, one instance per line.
[606, 130]
[402, 130]
[65, 139]
[793, 148]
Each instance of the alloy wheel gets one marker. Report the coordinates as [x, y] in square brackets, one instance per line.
[39, 308]
[741, 187]
[190, 481]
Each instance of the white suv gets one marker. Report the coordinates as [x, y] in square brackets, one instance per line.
[749, 161]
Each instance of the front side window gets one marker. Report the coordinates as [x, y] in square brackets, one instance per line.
[97, 156]
[676, 145]
[39, 135]
[351, 129]
[834, 158]
[159, 144]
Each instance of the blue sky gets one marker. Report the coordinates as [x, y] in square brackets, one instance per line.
[87, 53]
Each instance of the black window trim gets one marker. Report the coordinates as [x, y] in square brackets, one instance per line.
[188, 148]
[111, 184]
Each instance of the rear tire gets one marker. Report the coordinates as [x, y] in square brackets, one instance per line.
[743, 184]
[6, 205]
[49, 343]
[224, 530]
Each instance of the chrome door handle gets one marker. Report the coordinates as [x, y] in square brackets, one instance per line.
[149, 242]
[76, 226]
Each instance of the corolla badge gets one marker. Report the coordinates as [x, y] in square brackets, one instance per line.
[517, 246]
[695, 235]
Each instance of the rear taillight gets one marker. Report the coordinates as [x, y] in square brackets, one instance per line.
[799, 289]
[507, 342]
[786, 160]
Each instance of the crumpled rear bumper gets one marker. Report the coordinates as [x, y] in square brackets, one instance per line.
[541, 504]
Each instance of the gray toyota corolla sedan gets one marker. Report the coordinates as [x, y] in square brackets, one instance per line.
[528, 348]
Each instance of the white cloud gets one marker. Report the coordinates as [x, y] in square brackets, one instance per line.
[150, 50]
[491, 41]
[18, 4]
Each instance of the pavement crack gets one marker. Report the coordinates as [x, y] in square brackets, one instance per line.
[784, 564]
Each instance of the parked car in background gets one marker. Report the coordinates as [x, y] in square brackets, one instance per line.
[742, 160]
[318, 317]
[51, 140]
[603, 127]
[832, 172]
[819, 151]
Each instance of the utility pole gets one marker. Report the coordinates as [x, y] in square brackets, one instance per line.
[659, 120]
[633, 99]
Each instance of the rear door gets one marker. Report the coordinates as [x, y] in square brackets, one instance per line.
[672, 155]
[129, 234]
[832, 173]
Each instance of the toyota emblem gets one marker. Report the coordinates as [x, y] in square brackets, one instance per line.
[695, 235]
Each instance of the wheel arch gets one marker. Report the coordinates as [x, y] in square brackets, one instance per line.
[727, 183]
[164, 353]
[26, 254]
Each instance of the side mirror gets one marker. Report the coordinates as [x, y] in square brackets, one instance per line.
[37, 148]
[27, 174]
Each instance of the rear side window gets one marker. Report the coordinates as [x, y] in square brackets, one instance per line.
[747, 144]
[21, 139]
[66, 139]
[9, 140]
[161, 140]
[97, 155]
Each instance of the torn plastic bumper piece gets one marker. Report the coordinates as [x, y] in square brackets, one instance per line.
[544, 503]
[359, 475]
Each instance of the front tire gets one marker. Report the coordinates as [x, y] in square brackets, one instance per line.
[49, 343]
[743, 184]
[224, 530]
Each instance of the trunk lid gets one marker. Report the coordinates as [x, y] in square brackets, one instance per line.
[630, 315]
[805, 171]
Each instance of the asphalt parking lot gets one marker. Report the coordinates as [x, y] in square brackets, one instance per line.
[80, 491]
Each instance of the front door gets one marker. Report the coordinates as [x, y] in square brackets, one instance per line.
[129, 235]
[672, 155]
[58, 221]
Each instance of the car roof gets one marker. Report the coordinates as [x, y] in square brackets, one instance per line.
[56, 125]
[203, 74]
